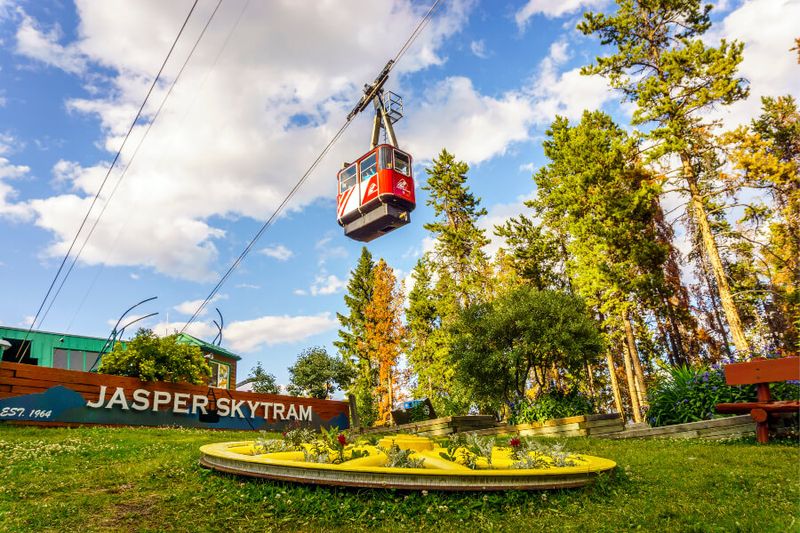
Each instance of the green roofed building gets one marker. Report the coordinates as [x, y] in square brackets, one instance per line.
[77, 352]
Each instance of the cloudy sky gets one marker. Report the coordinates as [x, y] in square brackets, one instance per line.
[265, 90]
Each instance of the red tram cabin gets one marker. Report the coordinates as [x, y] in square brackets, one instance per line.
[376, 193]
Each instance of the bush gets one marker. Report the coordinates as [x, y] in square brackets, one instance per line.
[152, 358]
[552, 404]
[691, 394]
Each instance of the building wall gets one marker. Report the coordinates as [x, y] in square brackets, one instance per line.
[74, 352]
[55, 349]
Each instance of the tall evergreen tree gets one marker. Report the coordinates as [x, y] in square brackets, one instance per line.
[596, 192]
[351, 333]
[428, 342]
[459, 241]
[662, 64]
[765, 157]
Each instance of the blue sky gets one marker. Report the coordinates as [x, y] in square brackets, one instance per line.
[257, 102]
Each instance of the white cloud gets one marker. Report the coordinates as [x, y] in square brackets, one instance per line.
[552, 9]
[566, 93]
[250, 335]
[44, 46]
[245, 106]
[247, 286]
[8, 208]
[134, 276]
[190, 306]
[277, 251]
[479, 49]
[473, 126]
[327, 284]
[768, 29]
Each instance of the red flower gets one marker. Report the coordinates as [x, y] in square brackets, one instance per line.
[342, 439]
[514, 443]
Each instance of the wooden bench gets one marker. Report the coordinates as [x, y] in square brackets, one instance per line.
[762, 372]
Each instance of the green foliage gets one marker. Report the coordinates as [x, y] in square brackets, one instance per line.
[429, 342]
[399, 458]
[152, 358]
[455, 274]
[691, 394]
[417, 413]
[352, 331]
[459, 240]
[554, 403]
[502, 345]
[263, 381]
[537, 252]
[317, 374]
[663, 65]
[594, 191]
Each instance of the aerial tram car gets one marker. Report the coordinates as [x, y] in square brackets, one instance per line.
[376, 191]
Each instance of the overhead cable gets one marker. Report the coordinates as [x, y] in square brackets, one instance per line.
[423, 22]
[105, 179]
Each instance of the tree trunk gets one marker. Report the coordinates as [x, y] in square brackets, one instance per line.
[589, 371]
[614, 385]
[632, 392]
[641, 391]
[712, 252]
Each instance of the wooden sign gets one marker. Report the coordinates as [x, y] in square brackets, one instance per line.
[32, 394]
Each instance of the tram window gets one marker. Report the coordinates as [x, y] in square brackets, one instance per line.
[386, 157]
[347, 178]
[401, 163]
[368, 168]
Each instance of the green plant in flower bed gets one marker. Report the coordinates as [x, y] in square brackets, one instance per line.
[399, 458]
[327, 446]
[691, 394]
[551, 404]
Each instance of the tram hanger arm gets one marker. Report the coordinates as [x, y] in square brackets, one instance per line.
[371, 91]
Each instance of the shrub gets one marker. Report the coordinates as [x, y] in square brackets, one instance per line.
[691, 394]
[152, 358]
[551, 404]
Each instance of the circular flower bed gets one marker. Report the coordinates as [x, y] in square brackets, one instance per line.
[465, 462]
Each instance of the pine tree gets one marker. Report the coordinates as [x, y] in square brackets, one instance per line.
[384, 335]
[766, 157]
[459, 241]
[662, 64]
[351, 333]
[596, 192]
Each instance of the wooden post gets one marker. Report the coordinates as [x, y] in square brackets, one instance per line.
[354, 423]
[760, 415]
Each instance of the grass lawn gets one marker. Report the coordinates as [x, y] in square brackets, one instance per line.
[114, 479]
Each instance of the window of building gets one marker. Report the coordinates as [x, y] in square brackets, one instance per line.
[220, 374]
[60, 358]
[75, 360]
[91, 359]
